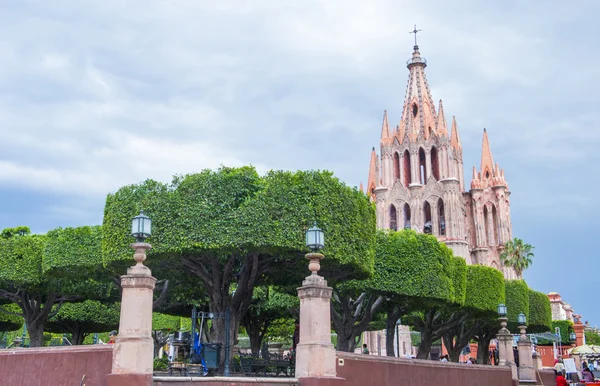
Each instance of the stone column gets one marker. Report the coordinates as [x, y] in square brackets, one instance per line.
[315, 357]
[579, 331]
[133, 353]
[526, 369]
[506, 356]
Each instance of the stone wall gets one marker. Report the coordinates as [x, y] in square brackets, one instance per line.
[56, 365]
[360, 370]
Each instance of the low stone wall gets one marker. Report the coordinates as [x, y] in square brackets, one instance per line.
[56, 365]
[224, 381]
[361, 370]
[546, 377]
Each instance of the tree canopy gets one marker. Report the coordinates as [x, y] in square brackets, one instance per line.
[517, 301]
[540, 312]
[84, 318]
[517, 255]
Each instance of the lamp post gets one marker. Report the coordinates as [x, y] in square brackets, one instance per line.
[134, 347]
[526, 369]
[506, 356]
[573, 338]
[315, 355]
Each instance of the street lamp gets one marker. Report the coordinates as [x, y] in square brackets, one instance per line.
[501, 310]
[315, 240]
[522, 319]
[141, 227]
[573, 336]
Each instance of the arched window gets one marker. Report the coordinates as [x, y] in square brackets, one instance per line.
[495, 220]
[422, 166]
[393, 218]
[485, 226]
[441, 217]
[427, 227]
[407, 174]
[435, 164]
[406, 216]
[396, 166]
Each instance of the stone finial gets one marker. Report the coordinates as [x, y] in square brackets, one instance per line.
[315, 262]
[139, 256]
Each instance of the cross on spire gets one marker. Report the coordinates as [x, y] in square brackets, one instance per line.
[414, 31]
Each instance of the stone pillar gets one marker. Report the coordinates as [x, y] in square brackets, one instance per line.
[315, 355]
[579, 331]
[133, 353]
[526, 369]
[506, 356]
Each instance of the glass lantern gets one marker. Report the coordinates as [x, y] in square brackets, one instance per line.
[315, 239]
[141, 227]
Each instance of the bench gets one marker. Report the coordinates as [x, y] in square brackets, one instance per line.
[254, 366]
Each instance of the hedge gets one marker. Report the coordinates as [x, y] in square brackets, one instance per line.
[517, 301]
[540, 313]
[234, 208]
[73, 248]
[485, 289]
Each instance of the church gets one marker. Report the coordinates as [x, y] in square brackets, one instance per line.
[417, 180]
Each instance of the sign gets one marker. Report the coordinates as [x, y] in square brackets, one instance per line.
[570, 365]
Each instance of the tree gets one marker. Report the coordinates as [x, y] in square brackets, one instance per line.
[85, 318]
[411, 269]
[232, 226]
[267, 306]
[10, 322]
[540, 313]
[592, 338]
[517, 255]
[28, 279]
[517, 302]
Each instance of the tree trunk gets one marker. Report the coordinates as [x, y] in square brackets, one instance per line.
[390, 336]
[79, 335]
[425, 345]
[483, 348]
[256, 339]
[36, 332]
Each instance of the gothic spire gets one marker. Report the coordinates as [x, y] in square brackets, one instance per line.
[455, 138]
[442, 127]
[386, 136]
[487, 161]
[373, 180]
[418, 103]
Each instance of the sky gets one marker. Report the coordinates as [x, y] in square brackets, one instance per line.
[96, 95]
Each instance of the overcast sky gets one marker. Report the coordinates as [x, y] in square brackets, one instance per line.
[98, 94]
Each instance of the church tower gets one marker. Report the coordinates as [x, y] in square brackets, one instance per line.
[417, 181]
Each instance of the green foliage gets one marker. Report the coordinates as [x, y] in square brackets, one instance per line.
[89, 316]
[7, 233]
[517, 301]
[413, 265]
[71, 248]
[231, 209]
[162, 322]
[540, 313]
[592, 338]
[10, 322]
[565, 326]
[459, 278]
[21, 259]
[161, 364]
[485, 289]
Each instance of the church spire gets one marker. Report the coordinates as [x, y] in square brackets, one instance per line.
[455, 138]
[373, 180]
[418, 113]
[487, 161]
[386, 136]
[442, 127]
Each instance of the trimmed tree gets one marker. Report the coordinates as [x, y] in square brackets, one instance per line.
[540, 313]
[517, 301]
[484, 291]
[10, 322]
[232, 226]
[85, 318]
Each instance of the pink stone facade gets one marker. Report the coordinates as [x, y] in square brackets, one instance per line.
[417, 180]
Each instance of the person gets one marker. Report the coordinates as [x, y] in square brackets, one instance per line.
[560, 379]
[365, 349]
[587, 375]
[559, 366]
[444, 358]
[112, 337]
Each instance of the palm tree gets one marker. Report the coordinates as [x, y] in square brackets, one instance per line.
[517, 255]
